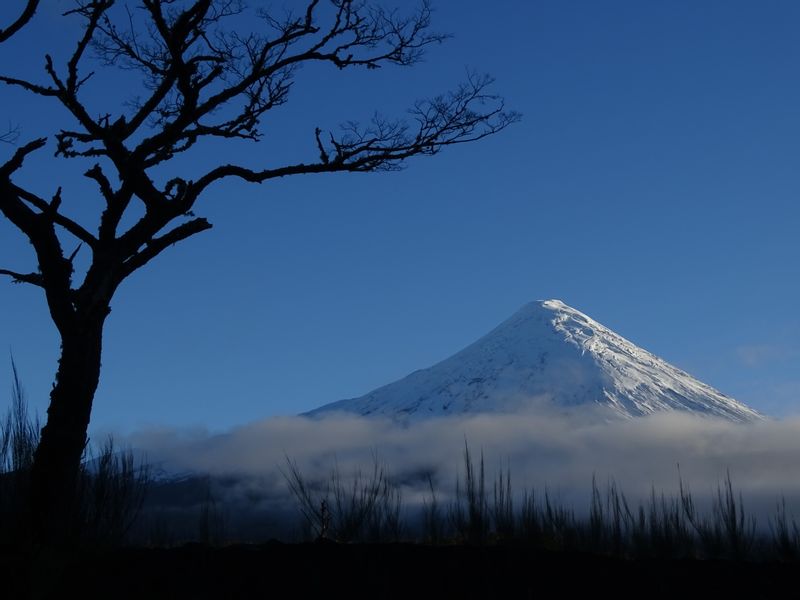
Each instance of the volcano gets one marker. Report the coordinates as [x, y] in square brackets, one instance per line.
[546, 356]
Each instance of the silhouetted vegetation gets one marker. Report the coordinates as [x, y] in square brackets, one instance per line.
[197, 71]
[476, 542]
[367, 506]
[107, 500]
[662, 527]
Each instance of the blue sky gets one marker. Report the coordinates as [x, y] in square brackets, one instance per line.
[652, 184]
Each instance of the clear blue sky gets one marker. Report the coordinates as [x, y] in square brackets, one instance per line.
[653, 184]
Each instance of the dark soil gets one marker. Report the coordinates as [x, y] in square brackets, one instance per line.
[276, 570]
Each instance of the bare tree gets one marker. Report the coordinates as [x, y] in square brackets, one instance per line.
[202, 79]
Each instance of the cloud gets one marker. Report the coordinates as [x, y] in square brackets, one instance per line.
[757, 355]
[561, 452]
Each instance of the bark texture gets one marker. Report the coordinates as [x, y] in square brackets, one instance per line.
[63, 438]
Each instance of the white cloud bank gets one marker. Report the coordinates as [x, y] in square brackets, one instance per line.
[560, 452]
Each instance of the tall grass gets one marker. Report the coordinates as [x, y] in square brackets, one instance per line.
[661, 529]
[785, 534]
[19, 436]
[211, 522]
[365, 507]
[728, 532]
[432, 520]
[469, 513]
[505, 522]
[19, 432]
[658, 527]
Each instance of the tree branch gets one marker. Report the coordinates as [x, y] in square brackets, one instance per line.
[56, 271]
[49, 211]
[464, 115]
[15, 162]
[31, 278]
[94, 12]
[209, 82]
[10, 135]
[157, 245]
[97, 175]
[22, 20]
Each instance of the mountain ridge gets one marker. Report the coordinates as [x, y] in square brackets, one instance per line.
[545, 354]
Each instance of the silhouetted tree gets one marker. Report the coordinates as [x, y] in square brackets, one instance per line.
[201, 77]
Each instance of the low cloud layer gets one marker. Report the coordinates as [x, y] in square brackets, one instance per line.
[561, 453]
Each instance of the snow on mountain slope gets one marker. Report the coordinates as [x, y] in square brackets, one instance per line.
[547, 354]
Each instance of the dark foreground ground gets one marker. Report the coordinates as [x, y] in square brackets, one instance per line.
[382, 571]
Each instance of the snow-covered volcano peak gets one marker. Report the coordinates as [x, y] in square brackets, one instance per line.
[546, 354]
[559, 308]
[553, 303]
[556, 309]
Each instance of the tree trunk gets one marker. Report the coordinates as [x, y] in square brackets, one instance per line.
[63, 438]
